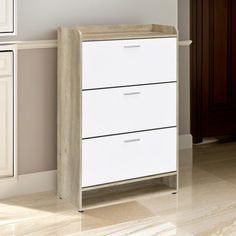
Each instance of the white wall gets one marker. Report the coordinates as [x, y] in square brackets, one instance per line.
[39, 19]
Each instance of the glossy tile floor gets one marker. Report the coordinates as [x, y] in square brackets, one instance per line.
[205, 205]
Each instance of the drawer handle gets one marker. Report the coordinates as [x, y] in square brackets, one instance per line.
[132, 46]
[132, 93]
[132, 140]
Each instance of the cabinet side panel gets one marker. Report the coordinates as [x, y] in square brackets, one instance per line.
[69, 116]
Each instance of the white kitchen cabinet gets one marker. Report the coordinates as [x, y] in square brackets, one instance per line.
[6, 113]
[7, 17]
[117, 108]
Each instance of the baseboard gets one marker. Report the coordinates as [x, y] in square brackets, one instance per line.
[185, 141]
[29, 183]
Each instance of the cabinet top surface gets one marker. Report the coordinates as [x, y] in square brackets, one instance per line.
[113, 32]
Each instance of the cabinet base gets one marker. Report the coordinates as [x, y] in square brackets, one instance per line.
[112, 195]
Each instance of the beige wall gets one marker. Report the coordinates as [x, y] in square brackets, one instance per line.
[37, 98]
[184, 91]
[184, 19]
[37, 110]
[184, 67]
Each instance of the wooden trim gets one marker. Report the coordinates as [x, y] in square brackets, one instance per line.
[37, 44]
[196, 68]
[229, 49]
[46, 44]
[130, 31]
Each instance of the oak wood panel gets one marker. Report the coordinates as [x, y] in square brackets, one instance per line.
[132, 31]
[69, 116]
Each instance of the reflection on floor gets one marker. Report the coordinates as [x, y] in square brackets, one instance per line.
[204, 206]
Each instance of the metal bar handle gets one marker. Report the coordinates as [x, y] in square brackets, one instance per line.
[132, 46]
[132, 140]
[132, 93]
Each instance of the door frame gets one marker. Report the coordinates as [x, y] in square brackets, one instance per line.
[196, 33]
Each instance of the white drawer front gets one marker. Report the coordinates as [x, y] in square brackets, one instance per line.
[129, 109]
[122, 157]
[128, 62]
[6, 63]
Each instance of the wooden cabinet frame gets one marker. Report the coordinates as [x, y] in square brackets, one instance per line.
[69, 139]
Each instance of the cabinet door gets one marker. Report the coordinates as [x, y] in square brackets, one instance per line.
[128, 62]
[6, 16]
[130, 109]
[128, 156]
[6, 117]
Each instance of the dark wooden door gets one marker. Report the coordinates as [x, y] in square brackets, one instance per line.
[213, 78]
